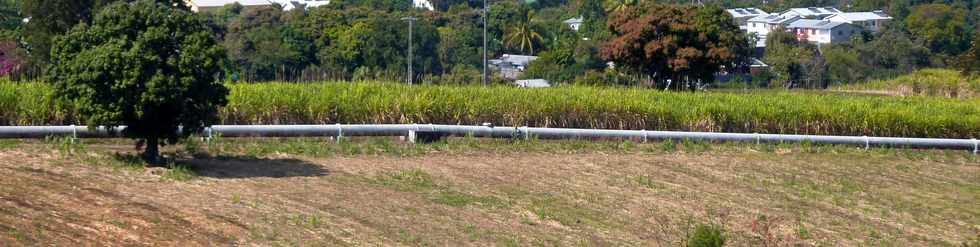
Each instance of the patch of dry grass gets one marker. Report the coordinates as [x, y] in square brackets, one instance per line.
[476, 192]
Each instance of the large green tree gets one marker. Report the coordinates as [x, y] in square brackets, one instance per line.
[678, 46]
[789, 59]
[146, 65]
[941, 27]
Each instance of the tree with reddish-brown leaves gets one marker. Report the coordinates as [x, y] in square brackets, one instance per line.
[679, 47]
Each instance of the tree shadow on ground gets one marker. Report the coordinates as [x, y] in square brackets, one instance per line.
[240, 166]
[252, 167]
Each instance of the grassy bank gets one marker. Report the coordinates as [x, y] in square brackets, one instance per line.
[927, 82]
[475, 192]
[578, 107]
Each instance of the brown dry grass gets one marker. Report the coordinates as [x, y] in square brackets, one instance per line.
[490, 194]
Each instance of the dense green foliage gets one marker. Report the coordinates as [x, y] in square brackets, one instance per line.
[941, 27]
[50, 18]
[794, 64]
[678, 47]
[145, 65]
[927, 82]
[365, 39]
[583, 107]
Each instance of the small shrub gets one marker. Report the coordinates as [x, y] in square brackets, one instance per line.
[707, 236]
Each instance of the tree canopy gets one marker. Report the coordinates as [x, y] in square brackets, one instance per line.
[941, 27]
[146, 65]
[677, 46]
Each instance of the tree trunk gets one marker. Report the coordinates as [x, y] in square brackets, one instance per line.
[151, 154]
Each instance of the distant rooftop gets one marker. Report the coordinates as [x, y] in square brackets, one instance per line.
[518, 60]
[578, 20]
[219, 3]
[812, 11]
[774, 19]
[814, 24]
[862, 16]
[746, 12]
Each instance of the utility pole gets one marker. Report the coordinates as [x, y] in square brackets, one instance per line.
[411, 21]
[486, 19]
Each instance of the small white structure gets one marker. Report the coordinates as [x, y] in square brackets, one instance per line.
[574, 23]
[742, 15]
[811, 12]
[423, 4]
[533, 83]
[871, 21]
[823, 32]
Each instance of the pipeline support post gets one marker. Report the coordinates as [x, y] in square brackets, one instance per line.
[867, 143]
[976, 146]
[74, 134]
[425, 136]
[208, 134]
[340, 133]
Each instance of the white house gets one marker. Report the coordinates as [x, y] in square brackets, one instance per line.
[871, 21]
[811, 12]
[743, 15]
[574, 23]
[762, 25]
[823, 32]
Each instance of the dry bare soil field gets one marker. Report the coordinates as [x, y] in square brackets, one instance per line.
[314, 192]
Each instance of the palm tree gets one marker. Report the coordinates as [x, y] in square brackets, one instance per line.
[523, 35]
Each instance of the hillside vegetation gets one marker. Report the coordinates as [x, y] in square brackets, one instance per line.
[926, 82]
[575, 107]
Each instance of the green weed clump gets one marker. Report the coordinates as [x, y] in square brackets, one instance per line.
[707, 236]
[564, 107]
[926, 82]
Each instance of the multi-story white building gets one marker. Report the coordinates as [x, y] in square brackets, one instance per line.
[822, 31]
[871, 21]
[743, 15]
[762, 25]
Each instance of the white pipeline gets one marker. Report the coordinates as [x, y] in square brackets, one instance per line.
[339, 130]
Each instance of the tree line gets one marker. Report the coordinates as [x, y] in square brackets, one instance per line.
[919, 36]
[366, 39]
